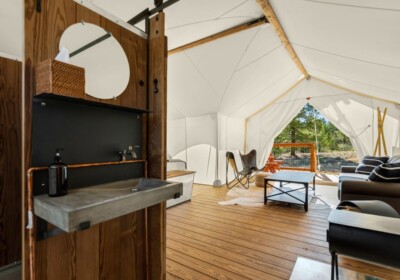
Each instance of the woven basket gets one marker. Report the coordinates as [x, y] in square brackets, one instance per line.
[57, 77]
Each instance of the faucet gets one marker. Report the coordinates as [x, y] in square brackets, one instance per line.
[128, 152]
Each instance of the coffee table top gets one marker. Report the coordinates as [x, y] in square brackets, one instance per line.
[292, 176]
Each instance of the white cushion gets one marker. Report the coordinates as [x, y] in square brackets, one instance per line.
[357, 176]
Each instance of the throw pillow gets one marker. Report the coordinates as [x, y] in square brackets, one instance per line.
[386, 172]
[369, 163]
[394, 159]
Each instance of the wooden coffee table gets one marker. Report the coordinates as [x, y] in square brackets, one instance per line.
[289, 195]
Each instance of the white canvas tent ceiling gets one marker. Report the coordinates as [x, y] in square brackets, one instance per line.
[351, 43]
[355, 44]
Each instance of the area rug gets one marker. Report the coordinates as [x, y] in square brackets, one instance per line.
[254, 197]
[306, 269]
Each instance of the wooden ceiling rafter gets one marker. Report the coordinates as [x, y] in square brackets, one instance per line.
[219, 35]
[355, 92]
[273, 19]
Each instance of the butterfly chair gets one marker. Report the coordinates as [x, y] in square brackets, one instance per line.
[249, 162]
[241, 177]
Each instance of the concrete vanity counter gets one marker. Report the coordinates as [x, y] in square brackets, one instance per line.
[104, 202]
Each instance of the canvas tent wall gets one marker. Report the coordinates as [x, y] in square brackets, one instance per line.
[355, 115]
[197, 140]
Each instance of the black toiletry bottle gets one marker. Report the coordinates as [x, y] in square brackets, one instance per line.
[58, 183]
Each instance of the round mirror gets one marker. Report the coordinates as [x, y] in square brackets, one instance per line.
[96, 50]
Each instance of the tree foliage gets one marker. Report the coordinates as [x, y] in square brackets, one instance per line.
[302, 130]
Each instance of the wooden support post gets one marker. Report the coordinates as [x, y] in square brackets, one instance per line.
[157, 149]
[272, 18]
[313, 158]
[381, 141]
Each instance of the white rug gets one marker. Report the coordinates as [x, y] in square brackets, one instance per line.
[254, 196]
[306, 269]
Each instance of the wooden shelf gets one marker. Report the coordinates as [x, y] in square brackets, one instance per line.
[44, 97]
[177, 173]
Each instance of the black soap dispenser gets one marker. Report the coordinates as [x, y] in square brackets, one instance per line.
[58, 183]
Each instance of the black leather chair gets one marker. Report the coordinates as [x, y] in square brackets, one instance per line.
[242, 178]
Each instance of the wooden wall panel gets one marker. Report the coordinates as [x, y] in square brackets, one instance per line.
[142, 46]
[42, 35]
[97, 252]
[60, 15]
[10, 160]
[135, 93]
[157, 151]
[133, 246]
[110, 249]
[135, 49]
[61, 262]
[88, 244]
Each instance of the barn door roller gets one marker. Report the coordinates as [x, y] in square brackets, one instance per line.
[147, 13]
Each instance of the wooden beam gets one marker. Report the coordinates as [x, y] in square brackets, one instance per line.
[157, 147]
[272, 18]
[220, 35]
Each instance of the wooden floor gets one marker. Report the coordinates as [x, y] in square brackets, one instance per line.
[209, 241]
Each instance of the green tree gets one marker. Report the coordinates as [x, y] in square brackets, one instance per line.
[301, 130]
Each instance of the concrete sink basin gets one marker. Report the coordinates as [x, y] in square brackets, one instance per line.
[124, 187]
[96, 204]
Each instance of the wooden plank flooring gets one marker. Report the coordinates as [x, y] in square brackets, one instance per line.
[209, 241]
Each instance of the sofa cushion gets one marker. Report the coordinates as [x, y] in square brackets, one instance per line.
[369, 163]
[386, 172]
[353, 177]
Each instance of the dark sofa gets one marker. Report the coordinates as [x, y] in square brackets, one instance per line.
[352, 186]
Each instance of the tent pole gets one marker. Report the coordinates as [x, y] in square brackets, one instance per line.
[380, 141]
[316, 137]
[355, 92]
[217, 182]
[273, 19]
[245, 135]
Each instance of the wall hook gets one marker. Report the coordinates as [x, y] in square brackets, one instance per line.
[38, 6]
[155, 86]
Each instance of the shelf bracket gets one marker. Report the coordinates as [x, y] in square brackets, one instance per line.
[43, 233]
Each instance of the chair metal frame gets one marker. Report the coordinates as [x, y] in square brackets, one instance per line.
[245, 174]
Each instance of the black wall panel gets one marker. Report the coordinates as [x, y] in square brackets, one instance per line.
[88, 134]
